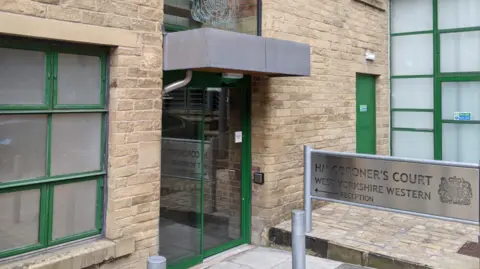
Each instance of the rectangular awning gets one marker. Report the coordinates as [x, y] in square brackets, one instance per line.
[214, 50]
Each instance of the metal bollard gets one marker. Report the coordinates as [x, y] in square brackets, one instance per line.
[298, 239]
[157, 262]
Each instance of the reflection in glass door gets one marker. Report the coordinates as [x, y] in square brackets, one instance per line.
[181, 175]
[223, 177]
[201, 182]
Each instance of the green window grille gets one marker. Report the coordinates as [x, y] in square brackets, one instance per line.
[52, 143]
[435, 79]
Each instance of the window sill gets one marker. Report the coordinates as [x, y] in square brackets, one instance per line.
[77, 257]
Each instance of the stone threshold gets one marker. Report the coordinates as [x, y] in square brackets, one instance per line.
[79, 256]
[383, 240]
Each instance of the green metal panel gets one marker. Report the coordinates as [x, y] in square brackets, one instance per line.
[412, 110]
[202, 182]
[413, 130]
[413, 33]
[365, 114]
[457, 30]
[390, 136]
[247, 162]
[27, 182]
[437, 95]
[203, 79]
[413, 76]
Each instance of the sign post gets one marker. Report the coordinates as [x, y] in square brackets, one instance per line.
[433, 189]
[307, 200]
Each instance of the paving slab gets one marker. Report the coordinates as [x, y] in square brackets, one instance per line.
[252, 257]
[383, 239]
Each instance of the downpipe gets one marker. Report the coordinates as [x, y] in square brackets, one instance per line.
[178, 84]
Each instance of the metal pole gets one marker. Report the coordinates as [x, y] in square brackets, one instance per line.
[298, 239]
[157, 262]
[307, 186]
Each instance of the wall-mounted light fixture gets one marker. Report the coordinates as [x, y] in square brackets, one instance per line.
[370, 56]
[232, 75]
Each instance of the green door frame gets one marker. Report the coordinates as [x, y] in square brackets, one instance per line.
[366, 122]
[438, 78]
[204, 80]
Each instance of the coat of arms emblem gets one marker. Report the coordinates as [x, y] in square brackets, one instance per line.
[456, 191]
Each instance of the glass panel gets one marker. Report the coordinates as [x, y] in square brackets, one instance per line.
[459, 52]
[420, 120]
[19, 219]
[233, 15]
[412, 144]
[186, 119]
[181, 178]
[412, 55]
[411, 15]
[17, 87]
[461, 97]
[79, 79]
[412, 93]
[461, 142]
[74, 208]
[76, 143]
[458, 13]
[23, 146]
[223, 166]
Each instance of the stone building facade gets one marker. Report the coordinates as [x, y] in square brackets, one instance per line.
[319, 110]
[287, 113]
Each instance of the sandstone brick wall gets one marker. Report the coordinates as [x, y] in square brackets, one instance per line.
[287, 112]
[135, 112]
[319, 110]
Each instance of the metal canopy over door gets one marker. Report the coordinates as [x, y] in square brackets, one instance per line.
[205, 181]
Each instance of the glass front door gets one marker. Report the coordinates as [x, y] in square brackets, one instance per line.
[205, 153]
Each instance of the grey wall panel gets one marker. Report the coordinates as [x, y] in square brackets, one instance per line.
[237, 51]
[287, 57]
[185, 50]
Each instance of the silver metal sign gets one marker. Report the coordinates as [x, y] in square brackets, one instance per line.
[428, 188]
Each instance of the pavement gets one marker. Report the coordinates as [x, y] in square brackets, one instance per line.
[254, 257]
[386, 239]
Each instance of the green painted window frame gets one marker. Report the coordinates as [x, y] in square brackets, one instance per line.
[438, 78]
[50, 107]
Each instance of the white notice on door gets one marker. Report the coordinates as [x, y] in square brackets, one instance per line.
[238, 137]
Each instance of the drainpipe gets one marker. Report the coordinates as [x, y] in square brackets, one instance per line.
[178, 84]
